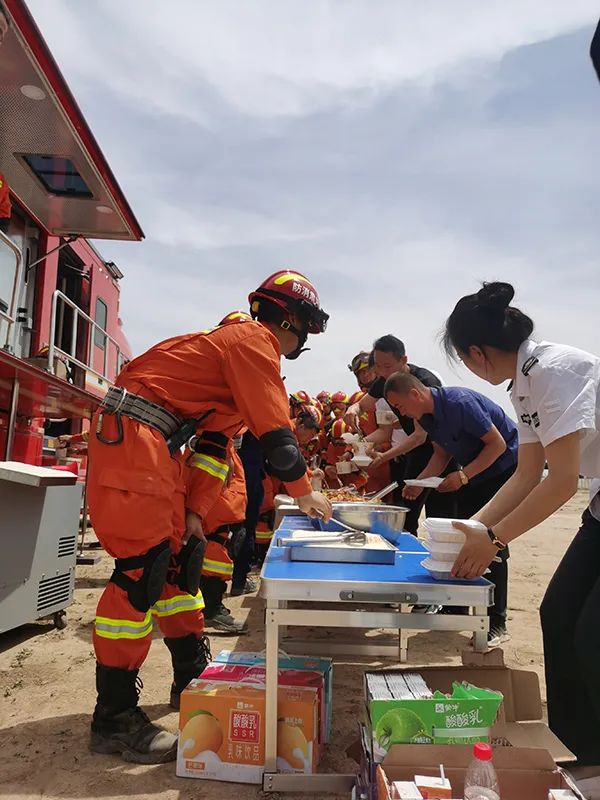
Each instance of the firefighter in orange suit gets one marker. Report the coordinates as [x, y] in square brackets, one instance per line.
[216, 381]
[266, 515]
[223, 525]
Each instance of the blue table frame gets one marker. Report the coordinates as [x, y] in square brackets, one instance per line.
[363, 596]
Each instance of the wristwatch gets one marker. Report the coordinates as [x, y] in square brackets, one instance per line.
[464, 478]
[495, 541]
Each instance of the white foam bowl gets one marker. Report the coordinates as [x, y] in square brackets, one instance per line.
[443, 551]
[362, 461]
[445, 525]
[385, 417]
[439, 570]
[343, 468]
[448, 537]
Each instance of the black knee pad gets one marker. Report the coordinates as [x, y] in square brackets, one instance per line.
[236, 541]
[189, 560]
[146, 590]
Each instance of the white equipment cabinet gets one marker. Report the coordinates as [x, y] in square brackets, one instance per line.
[39, 518]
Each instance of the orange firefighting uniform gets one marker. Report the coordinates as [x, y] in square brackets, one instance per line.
[137, 491]
[229, 509]
[264, 526]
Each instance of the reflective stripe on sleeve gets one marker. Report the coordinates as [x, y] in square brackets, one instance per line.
[218, 469]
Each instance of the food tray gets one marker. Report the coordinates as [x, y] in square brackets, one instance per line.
[377, 550]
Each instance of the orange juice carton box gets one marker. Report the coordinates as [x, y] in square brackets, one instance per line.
[222, 731]
[255, 674]
[309, 663]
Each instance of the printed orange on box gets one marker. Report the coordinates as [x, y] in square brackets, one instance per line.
[255, 674]
[222, 731]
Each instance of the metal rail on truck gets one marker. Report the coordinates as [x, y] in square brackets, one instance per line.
[92, 327]
[8, 316]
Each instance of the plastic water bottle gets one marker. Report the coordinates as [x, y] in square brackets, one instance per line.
[481, 782]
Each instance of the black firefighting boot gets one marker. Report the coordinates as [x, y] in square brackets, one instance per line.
[120, 726]
[190, 657]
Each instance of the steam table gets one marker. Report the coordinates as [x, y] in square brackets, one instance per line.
[367, 596]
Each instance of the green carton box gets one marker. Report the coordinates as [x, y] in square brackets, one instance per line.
[401, 713]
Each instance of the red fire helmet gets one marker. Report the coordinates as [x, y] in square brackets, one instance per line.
[236, 316]
[293, 293]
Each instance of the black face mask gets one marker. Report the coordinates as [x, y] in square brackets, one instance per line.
[302, 335]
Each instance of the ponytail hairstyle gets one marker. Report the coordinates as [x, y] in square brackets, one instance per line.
[486, 319]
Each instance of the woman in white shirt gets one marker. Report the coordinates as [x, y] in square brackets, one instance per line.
[556, 392]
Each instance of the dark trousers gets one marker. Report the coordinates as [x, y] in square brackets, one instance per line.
[251, 456]
[571, 629]
[435, 503]
[469, 500]
[213, 589]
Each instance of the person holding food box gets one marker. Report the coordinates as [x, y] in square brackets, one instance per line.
[556, 397]
[469, 427]
[413, 451]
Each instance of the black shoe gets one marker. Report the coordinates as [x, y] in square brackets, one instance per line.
[120, 726]
[497, 635]
[248, 588]
[425, 609]
[190, 656]
[223, 622]
[461, 611]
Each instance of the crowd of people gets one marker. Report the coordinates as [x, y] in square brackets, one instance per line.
[184, 515]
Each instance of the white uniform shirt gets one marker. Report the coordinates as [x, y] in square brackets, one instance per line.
[560, 394]
[398, 435]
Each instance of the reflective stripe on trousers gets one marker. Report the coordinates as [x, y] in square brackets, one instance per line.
[217, 567]
[130, 629]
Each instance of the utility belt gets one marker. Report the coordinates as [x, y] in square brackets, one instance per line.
[217, 535]
[121, 403]
[236, 539]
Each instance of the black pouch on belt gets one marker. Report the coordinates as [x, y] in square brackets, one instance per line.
[189, 560]
[236, 541]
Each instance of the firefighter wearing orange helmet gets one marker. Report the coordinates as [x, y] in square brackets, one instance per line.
[339, 404]
[363, 369]
[215, 381]
[297, 401]
[222, 523]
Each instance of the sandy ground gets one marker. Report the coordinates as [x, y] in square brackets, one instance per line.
[47, 686]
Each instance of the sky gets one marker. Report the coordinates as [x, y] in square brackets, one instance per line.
[398, 153]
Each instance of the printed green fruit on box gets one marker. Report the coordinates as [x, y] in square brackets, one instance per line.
[436, 720]
[400, 725]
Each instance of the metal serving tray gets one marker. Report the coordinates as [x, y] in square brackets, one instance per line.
[380, 551]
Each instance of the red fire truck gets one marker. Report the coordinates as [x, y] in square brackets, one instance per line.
[61, 340]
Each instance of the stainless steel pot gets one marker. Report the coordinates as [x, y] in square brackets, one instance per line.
[365, 516]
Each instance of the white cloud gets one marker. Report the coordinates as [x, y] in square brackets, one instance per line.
[287, 57]
[392, 150]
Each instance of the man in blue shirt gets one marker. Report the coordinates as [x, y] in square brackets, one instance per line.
[469, 427]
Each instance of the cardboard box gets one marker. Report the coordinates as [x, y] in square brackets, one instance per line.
[222, 731]
[308, 663]
[256, 674]
[519, 722]
[427, 720]
[523, 774]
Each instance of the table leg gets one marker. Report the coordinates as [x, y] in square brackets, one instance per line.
[282, 628]
[272, 650]
[480, 644]
[403, 637]
[12, 420]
